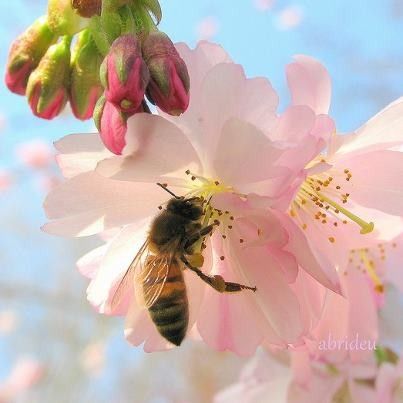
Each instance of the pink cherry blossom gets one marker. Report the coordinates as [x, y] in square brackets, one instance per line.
[290, 17]
[389, 383]
[207, 28]
[264, 5]
[269, 374]
[93, 358]
[203, 153]
[25, 374]
[332, 197]
[8, 321]
[6, 180]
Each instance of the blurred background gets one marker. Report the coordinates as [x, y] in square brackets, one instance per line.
[53, 346]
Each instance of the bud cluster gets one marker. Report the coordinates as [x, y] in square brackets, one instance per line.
[137, 68]
[106, 57]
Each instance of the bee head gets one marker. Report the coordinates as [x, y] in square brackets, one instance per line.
[188, 208]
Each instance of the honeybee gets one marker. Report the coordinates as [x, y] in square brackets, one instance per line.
[156, 270]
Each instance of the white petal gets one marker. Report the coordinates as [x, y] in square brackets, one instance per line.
[89, 203]
[384, 130]
[79, 153]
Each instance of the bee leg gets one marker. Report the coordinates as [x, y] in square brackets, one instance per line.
[217, 281]
[193, 238]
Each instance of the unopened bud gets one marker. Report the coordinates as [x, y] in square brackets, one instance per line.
[124, 74]
[169, 78]
[25, 54]
[85, 86]
[63, 20]
[47, 89]
[112, 124]
[87, 8]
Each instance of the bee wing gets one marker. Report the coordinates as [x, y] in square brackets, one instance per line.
[128, 278]
[151, 280]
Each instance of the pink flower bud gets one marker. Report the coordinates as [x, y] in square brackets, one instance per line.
[124, 74]
[85, 86]
[169, 82]
[112, 124]
[25, 54]
[47, 89]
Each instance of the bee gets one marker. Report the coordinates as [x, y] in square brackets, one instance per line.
[87, 8]
[157, 269]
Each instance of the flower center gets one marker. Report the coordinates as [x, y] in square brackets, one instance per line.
[370, 262]
[322, 197]
[206, 188]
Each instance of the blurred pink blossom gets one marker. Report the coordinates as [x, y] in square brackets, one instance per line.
[35, 154]
[26, 373]
[93, 358]
[264, 5]
[8, 321]
[6, 180]
[290, 17]
[389, 383]
[207, 28]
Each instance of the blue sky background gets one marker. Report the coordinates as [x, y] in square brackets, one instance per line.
[359, 41]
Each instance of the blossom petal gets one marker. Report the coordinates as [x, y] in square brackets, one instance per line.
[155, 149]
[383, 188]
[227, 321]
[79, 153]
[274, 297]
[242, 169]
[382, 131]
[298, 245]
[139, 329]
[88, 265]
[309, 84]
[89, 203]
[120, 253]
[228, 94]
[200, 61]
[294, 124]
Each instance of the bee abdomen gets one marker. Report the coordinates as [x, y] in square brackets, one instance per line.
[170, 312]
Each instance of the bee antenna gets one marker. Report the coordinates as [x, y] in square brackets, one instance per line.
[167, 190]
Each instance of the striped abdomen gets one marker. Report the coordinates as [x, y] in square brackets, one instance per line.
[170, 312]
